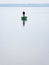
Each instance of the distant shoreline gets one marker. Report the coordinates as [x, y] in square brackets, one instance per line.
[24, 5]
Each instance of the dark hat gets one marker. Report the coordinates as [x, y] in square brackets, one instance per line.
[23, 13]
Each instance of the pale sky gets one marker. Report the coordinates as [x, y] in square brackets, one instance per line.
[24, 1]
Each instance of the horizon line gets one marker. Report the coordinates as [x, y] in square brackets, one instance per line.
[24, 5]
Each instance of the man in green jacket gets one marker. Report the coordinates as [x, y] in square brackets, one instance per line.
[24, 18]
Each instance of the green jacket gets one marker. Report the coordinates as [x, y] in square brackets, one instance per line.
[24, 18]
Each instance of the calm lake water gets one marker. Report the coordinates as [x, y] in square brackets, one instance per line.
[27, 45]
